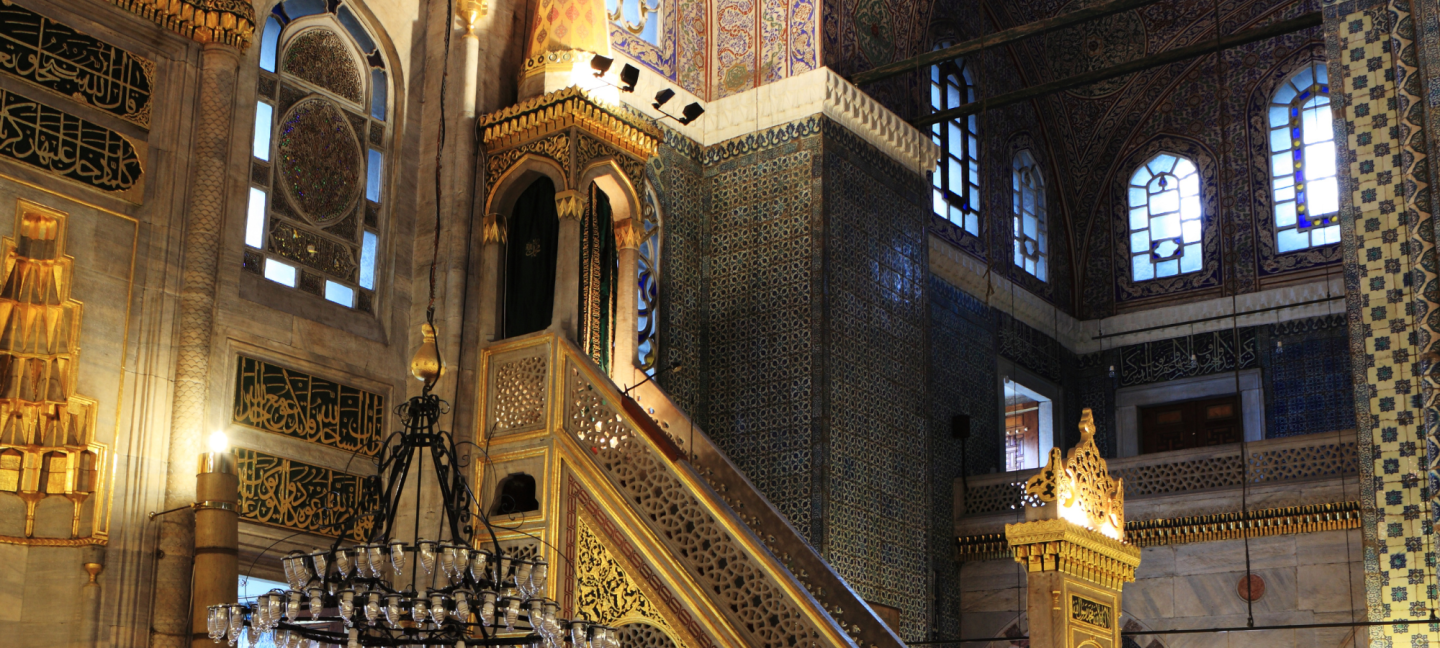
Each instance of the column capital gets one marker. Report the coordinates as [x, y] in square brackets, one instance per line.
[629, 234]
[570, 204]
[492, 229]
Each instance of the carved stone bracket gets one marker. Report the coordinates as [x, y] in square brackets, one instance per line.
[629, 234]
[492, 230]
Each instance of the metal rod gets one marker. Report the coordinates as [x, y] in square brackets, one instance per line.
[1037, 28]
[1215, 317]
[1142, 633]
[1306, 21]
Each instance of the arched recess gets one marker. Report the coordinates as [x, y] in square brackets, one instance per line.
[500, 207]
[532, 247]
[518, 177]
[602, 285]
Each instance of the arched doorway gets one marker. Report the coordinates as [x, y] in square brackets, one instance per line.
[530, 249]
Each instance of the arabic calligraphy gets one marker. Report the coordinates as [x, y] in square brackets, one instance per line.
[56, 57]
[272, 398]
[295, 495]
[54, 141]
[1087, 611]
[1162, 360]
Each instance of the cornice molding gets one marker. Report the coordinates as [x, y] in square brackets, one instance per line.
[548, 113]
[227, 22]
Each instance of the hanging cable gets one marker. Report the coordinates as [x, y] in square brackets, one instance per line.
[1239, 346]
[439, 159]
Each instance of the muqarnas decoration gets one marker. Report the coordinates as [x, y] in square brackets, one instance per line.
[47, 431]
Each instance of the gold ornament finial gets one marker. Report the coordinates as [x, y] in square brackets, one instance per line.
[425, 364]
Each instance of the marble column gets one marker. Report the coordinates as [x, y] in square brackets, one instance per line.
[204, 219]
[492, 238]
[570, 206]
[628, 234]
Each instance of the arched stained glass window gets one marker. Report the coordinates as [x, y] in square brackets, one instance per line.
[1028, 209]
[1302, 162]
[956, 191]
[1166, 219]
[320, 154]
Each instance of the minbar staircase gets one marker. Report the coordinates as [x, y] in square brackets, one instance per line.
[649, 526]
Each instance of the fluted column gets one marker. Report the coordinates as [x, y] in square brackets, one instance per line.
[492, 251]
[628, 234]
[570, 206]
[204, 218]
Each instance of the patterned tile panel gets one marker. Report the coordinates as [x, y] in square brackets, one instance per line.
[876, 526]
[1384, 207]
[760, 343]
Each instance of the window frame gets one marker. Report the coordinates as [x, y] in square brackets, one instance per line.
[374, 107]
[1290, 191]
[1023, 166]
[1152, 170]
[951, 82]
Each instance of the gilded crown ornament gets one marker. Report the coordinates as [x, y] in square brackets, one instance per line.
[1080, 487]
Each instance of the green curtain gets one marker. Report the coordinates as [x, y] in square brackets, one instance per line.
[599, 269]
[531, 239]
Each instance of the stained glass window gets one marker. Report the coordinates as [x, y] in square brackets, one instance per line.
[956, 191]
[319, 168]
[641, 18]
[1166, 219]
[1028, 209]
[1302, 162]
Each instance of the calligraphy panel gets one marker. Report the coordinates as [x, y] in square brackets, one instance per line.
[275, 399]
[287, 493]
[55, 141]
[75, 65]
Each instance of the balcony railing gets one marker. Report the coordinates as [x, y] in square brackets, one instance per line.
[1314, 456]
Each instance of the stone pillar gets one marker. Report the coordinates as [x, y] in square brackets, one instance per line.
[1073, 547]
[204, 219]
[570, 206]
[492, 251]
[628, 235]
[217, 539]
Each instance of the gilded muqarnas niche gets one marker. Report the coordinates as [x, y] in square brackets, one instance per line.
[320, 57]
[319, 160]
[58, 58]
[284, 401]
[295, 495]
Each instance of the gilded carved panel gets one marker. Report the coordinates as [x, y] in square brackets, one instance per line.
[284, 401]
[47, 430]
[589, 149]
[604, 592]
[75, 65]
[295, 495]
[556, 147]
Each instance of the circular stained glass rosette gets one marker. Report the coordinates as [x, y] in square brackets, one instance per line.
[319, 160]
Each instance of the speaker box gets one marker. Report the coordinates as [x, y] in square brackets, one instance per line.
[960, 426]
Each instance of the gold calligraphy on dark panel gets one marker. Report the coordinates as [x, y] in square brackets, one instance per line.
[51, 140]
[1087, 611]
[285, 401]
[58, 58]
[283, 492]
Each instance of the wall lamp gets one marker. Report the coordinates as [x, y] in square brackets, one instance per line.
[688, 114]
[629, 74]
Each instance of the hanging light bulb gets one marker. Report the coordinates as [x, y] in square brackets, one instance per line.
[347, 607]
[397, 557]
[419, 608]
[377, 560]
[372, 608]
[462, 561]
[1193, 362]
[426, 551]
[538, 574]
[487, 609]
[342, 564]
[447, 560]
[317, 604]
[392, 611]
[512, 614]
[1279, 347]
[462, 606]
[477, 565]
[437, 609]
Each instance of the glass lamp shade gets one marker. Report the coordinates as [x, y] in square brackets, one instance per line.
[372, 608]
[397, 558]
[342, 563]
[317, 602]
[478, 562]
[377, 560]
[426, 551]
[347, 607]
[437, 609]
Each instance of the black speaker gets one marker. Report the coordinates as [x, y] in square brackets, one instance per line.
[960, 426]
